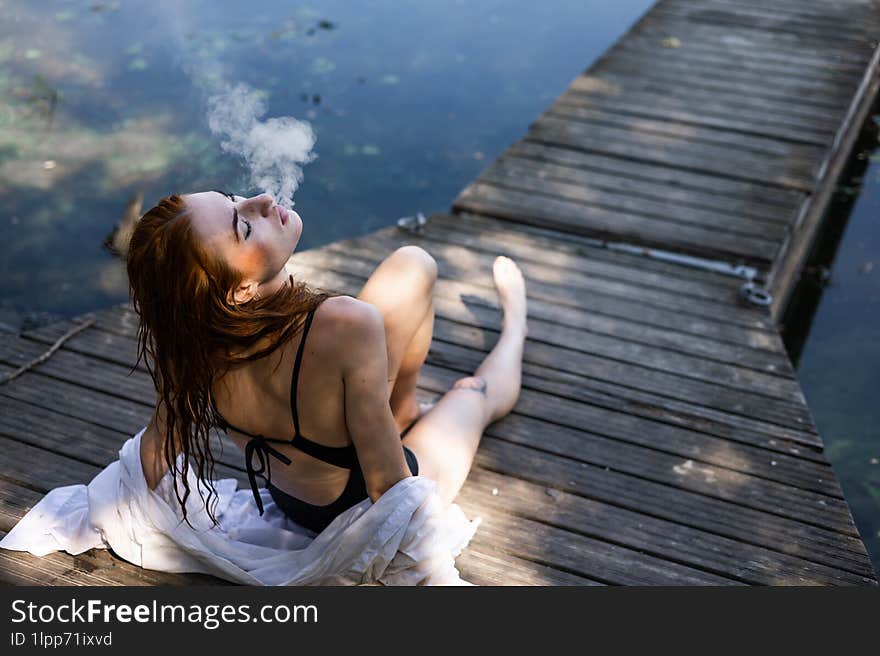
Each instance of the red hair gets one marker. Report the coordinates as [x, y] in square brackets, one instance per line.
[189, 334]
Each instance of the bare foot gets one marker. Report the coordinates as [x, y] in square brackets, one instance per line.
[512, 293]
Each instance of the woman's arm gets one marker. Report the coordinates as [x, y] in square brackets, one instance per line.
[364, 363]
[153, 447]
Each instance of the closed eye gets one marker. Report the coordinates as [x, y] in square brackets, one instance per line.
[232, 198]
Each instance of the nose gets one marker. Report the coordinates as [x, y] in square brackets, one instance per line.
[262, 203]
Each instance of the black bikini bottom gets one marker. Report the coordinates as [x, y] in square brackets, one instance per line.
[317, 518]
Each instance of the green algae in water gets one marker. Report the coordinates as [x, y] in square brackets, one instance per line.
[322, 66]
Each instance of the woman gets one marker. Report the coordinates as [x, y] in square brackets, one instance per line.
[317, 390]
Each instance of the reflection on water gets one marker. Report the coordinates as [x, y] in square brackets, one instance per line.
[100, 101]
[838, 348]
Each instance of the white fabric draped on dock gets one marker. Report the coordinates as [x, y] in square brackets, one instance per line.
[405, 538]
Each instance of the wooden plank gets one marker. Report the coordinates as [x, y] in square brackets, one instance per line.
[567, 252]
[569, 216]
[539, 180]
[743, 562]
[733, 521]
[840, 25]
[808, 33]
[713, 54]
[661, 198]
[757, 62]
[736, 140]
[672, 151]
[824, 10]
[739, 51]
[659, 173]
[830, 50]
[620, 85]
[671, 110]
[608, 563]
[708, 111]
[701, 71]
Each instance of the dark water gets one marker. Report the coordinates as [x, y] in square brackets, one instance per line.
[834, 334]
[409, 100]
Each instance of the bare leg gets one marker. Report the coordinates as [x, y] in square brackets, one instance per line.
[402, 288]
[404, 404]
[446, 438]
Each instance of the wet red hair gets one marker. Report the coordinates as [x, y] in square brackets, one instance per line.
[189, 333]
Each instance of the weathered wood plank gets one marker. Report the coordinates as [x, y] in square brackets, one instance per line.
[842, 27]
[713, 553]
[529, 178]
[750, 214]
[623, 88]
[568, 252]
[668, 108]
[673, 151]
[687, 508]
[757, 62]
[658, 173]
[608, 563]
[570, 216]
[754, 41]
[735, 140]
[665, 61]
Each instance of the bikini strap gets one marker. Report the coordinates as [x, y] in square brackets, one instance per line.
[341, 456]
[294, 379]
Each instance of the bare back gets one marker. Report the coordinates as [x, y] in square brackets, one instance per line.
[256, 397]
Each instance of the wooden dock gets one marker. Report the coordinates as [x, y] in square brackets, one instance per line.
[661, 437]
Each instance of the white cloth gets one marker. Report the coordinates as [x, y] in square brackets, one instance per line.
[405, 538]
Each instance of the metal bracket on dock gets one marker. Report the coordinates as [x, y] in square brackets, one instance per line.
[413, 224]
[750, 291]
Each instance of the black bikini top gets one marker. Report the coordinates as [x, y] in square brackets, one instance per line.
[341, 456]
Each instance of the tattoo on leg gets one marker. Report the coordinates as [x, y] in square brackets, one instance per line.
[476, 383]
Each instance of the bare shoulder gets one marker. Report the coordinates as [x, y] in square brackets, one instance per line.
[347, 325]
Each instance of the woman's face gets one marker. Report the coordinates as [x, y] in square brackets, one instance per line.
[252, 235]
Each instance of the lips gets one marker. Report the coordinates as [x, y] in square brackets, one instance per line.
[282, 214]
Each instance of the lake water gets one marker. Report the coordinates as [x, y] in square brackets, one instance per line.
[838, 348]
[409, 100]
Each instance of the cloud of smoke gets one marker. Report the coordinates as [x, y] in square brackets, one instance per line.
[274, 150]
